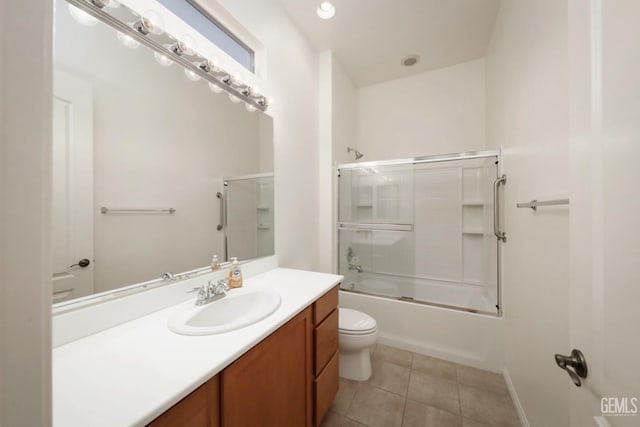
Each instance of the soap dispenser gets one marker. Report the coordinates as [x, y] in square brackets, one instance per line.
[215, 263]
[235, 274]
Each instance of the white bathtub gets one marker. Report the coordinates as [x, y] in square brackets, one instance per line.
[463, 337]
[464, 296]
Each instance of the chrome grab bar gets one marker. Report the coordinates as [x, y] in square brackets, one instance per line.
[222, 218]
[501, 235]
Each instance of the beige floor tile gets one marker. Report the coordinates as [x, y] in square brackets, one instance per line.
[419, 415]
[393, 355]
[345, 394]
[333, 419]
[376, 408]
[434, 391]
[495, 409]
[434, 367]
[466, 422]
[481, 379]
[390, 377]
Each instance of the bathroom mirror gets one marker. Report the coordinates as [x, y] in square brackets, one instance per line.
[152, 171]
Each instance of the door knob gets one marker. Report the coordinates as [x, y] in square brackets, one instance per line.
[82, 263]
[575, 364]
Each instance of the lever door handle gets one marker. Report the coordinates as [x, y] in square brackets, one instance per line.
[575, 364]
[82, 263]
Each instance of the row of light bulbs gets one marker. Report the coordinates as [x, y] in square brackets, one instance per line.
[150, 23]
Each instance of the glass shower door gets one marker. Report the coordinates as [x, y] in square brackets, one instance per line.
[376, 214]
[421, 232]
[249, 213]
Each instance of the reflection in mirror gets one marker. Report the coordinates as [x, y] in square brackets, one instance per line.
[139, 155]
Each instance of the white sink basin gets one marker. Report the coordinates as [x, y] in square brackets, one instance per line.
[238, 309]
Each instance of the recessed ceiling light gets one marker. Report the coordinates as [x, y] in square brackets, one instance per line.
[410, 60]
[326, 10]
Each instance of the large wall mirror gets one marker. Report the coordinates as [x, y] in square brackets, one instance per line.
[152, 172]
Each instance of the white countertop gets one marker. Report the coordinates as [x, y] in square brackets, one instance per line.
[131, 373]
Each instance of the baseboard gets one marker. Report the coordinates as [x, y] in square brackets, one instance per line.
[514, 397]
[405, 343]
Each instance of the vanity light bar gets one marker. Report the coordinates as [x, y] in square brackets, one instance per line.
[169, 46]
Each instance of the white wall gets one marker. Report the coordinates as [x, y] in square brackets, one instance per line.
[344, 113]
[292, 76]
[337, 122]
[25, 262]
[527, 114]
[436, 112]
[160, 141]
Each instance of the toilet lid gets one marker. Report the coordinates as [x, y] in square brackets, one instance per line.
[355, 322]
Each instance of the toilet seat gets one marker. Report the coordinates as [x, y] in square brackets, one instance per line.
[353, 322]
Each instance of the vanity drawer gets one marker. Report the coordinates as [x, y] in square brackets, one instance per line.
[325, 338]
[325, 388]
[325, 305]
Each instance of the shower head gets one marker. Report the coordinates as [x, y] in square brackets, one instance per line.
[359, 155]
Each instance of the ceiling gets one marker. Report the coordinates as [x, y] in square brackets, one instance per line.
[370, 37]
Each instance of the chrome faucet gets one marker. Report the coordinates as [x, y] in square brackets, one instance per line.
[210, 292]
[358, 268]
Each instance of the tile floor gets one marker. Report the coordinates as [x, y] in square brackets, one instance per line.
[410, 390]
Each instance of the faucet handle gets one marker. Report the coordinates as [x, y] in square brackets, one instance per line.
[202, 293]
[224, 284]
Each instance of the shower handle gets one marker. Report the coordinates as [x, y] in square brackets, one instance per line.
[501, 235]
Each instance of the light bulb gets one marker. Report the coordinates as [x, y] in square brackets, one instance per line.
[149, 22]
[234, 98]
[186, 45]
[237, 79]
[191, 75]
[214, 63]
[127, 40]
[163, 60]
[326, 10]
[250, 108]
[215, 88]
[82, 17]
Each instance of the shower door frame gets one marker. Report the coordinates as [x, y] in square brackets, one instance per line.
[416, 161]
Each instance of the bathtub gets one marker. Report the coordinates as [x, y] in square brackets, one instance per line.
[465, 337]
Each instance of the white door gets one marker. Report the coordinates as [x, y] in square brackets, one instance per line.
[72, 188]
[604, 46]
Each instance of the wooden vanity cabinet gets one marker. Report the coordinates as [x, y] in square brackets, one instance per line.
[199, 409]
[325, 336]
[289, 379]
[271, 384]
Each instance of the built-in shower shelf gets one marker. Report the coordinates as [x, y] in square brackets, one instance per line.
[473, 232]
[364, 205]
[263, 208]
[478, 203]
[264, 227]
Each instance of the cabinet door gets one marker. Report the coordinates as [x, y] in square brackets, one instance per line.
[271, 385]
[199, 409]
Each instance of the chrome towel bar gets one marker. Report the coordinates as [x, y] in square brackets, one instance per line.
[535, 203]
[104, 210]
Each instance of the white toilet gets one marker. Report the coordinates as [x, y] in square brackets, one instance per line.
[357, 333]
